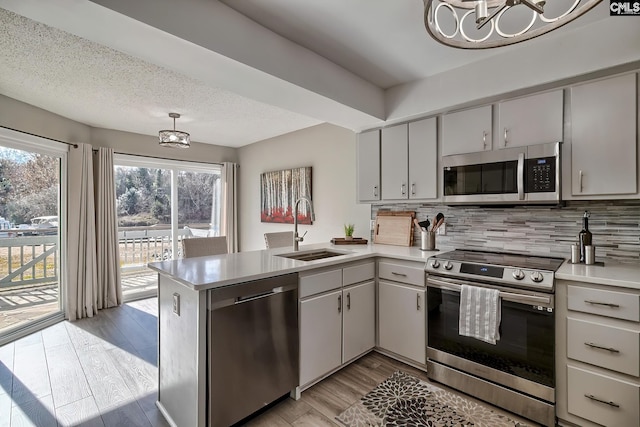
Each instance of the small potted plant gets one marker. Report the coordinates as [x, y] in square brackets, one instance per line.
[348, 231]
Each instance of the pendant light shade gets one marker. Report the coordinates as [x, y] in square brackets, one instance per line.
[174, 138]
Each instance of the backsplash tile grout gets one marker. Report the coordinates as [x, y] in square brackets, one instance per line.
[535, 230]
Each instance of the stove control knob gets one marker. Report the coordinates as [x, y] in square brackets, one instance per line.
[518, 274]
[536, 276]
[435, 264]
[448, 265]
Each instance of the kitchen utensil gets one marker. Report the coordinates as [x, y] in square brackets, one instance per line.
[424, 225]
[416, 222]
[393, 230]
[439, 219]
[428, 241]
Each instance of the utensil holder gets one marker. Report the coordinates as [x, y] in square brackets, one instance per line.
[428, 240]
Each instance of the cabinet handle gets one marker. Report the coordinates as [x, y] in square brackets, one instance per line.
[348, 300]
[375, 191]
[402, 189]
[413, 189]
[418, 301]
[506, 140]
[484, 139]
[339, 303]
[592, 345]
[398, 274]
[580, 173]
[610, 403]
[608, 304]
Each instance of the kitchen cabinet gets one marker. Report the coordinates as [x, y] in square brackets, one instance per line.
[394, 162]
[368, 166]
[337, 324]
[401, 309]
[409, 161]
[467, 131]
[535, 119]
[604, 137]
[597, 354]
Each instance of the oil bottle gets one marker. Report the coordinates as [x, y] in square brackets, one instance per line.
[584, 236]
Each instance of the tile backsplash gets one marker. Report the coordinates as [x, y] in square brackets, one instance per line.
[535, 230]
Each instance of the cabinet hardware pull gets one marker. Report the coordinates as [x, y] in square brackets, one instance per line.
[608, 304]
[580, 181]
[402, 190]
[484, 139]
[418, 301]
[506, 141]
[413, 189]
[339, 303]
[375, 191]
[592, 397]
[398, 274]
[592, 345]
[348, 300]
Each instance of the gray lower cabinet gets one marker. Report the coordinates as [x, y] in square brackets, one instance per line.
[597, 355]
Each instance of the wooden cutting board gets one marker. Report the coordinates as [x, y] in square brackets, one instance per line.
[394, 228]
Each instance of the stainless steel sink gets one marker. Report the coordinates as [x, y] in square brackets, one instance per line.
[312, 255]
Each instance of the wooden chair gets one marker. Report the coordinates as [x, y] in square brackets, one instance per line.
[203, 246]
[280, 239]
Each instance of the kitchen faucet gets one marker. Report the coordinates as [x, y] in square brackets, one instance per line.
[296, 238]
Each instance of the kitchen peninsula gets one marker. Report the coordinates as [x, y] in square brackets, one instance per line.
[186, 286]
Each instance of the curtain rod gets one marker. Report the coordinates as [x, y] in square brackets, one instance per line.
[40, 136]
[161, 158]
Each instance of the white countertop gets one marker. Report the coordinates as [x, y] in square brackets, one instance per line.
[224, 270]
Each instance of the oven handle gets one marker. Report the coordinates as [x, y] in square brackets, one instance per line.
[508, 296]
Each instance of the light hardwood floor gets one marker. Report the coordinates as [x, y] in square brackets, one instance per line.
[102, 372]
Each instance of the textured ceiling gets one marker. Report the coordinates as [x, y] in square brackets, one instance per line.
[101, 87]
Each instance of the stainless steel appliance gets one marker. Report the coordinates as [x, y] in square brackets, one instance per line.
[517, 373]
[252, 347]
[520, 175]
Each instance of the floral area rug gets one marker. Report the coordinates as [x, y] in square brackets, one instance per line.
[404, 400]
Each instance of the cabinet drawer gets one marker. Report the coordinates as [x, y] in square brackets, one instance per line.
[320, 282]
[358, 273]
[620, 305]
[602, 345]
[617, 403]
[413, 275]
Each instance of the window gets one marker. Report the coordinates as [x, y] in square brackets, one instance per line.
[158, 203]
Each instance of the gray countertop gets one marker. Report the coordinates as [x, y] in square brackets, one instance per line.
[224, 270]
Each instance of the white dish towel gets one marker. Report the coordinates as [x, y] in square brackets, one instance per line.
[480, 313]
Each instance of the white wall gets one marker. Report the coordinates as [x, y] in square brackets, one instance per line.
[331, 152]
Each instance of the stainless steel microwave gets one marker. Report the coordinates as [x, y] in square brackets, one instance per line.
[519, 175]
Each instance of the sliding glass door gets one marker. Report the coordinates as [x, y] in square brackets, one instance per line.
[31, 195]
[159, 202]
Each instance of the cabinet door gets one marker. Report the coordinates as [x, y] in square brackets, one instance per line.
[320, 335]
[466, 131]
[401, 320]
[395, 154]
[358, 320]
[368, 166]
[531, 120]
[423, 159]
[603, 140]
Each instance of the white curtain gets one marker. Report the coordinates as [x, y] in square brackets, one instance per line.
[82, 284]
[229, 219]
[107, 250]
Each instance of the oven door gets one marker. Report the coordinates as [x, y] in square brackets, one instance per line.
[523, 358]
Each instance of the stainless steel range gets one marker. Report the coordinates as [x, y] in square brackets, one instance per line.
[518, 372]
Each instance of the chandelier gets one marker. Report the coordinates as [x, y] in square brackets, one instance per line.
[174, 138]
[482, 24]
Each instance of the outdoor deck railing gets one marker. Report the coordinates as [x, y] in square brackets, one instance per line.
[30, 260]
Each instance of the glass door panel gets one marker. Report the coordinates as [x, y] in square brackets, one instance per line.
[30, 194]
[198, 203]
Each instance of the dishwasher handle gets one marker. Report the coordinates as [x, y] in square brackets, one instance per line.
[245, 292]
[243, 299]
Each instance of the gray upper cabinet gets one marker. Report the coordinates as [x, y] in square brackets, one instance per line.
[604, 142]
[467, 131]
[368, 166]
[530, 120]
[423, 159]
[395, 154]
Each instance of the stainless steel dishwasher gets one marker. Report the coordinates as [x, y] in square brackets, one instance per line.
[252, 347]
